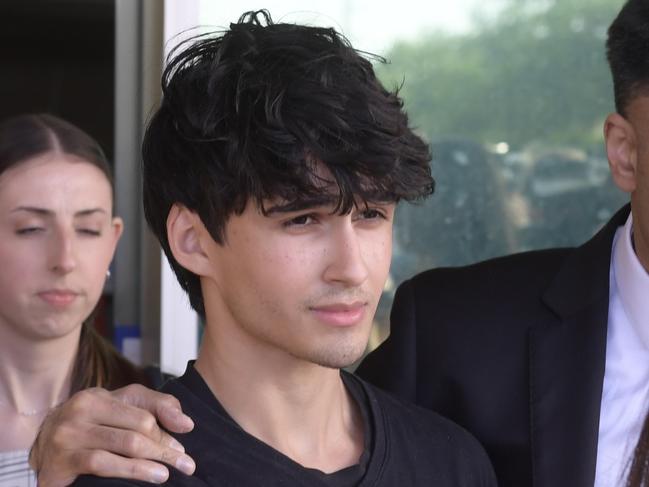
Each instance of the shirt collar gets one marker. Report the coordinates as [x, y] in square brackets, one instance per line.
[632, 281]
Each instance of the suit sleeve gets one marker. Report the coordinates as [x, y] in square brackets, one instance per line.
[392, 366]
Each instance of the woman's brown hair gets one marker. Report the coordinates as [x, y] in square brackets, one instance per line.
[27, 136]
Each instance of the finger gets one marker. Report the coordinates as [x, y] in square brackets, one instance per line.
[135, 445]
[105, 464]
[168, 441]
[98, 407]
[88, 411]
[174, 419]
[164, 406]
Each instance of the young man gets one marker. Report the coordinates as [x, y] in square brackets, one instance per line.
[271, 173]
[544, 356]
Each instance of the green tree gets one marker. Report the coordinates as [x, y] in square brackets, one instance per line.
[535, 74]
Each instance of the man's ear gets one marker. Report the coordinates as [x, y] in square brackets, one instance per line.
[621, 150]
[185, 232]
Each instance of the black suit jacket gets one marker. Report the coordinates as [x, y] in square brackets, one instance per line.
[513, 349]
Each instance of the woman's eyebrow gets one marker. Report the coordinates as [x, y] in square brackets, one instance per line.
[33, 209]
[90, 211]
[49, 213]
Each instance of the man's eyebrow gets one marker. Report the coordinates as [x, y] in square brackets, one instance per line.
[301, 204]
[374, 198]
[49, 213]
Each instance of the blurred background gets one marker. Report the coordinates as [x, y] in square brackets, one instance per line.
[511, 94]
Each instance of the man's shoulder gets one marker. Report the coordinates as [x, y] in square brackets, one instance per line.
[499, 292]
[403, 416]
[532, 269]
[510, 270]
[414, 432]
[92, 481]
[176, 479]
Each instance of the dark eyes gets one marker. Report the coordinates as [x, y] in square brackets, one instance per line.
[370, 214]
[300, 221]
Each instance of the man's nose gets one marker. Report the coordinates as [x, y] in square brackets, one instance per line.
[346, 264]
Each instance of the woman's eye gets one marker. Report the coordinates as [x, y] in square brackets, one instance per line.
[29, 230]
[89, 231]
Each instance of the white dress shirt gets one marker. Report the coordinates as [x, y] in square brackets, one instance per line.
[625, 398]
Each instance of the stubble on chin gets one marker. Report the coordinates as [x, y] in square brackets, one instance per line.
[340, 355]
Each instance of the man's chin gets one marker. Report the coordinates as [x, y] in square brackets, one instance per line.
[339, 358]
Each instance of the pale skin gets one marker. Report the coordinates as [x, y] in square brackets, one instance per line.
[57, 237]
[283, 317]
[627, 145]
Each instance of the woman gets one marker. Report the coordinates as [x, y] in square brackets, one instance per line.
[57, 239]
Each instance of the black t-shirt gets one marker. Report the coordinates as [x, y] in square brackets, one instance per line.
[404, 446]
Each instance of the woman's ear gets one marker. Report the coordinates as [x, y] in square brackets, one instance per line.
[621, 150]
[184, 231]
[117, 225]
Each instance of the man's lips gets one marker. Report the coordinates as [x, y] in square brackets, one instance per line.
[58, 297]
[340, 314]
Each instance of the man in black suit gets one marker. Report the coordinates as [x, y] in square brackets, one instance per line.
[531, 352]
[524, 351]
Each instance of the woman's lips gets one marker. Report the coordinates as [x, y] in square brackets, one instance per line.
[58, 298]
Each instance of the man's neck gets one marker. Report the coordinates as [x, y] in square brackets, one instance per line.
[640, 234]
[641, 249]
[301, 409]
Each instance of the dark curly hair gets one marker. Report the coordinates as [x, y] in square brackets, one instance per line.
[250, 114]
[627, 50]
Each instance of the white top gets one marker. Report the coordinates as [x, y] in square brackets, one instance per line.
[15, 470]
[625, 398]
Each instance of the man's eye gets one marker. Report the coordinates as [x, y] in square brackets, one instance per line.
[372, 214]
[299, 221]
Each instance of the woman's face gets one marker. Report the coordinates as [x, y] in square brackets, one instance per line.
[57, 238]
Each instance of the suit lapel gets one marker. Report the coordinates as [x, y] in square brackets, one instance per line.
[567, 359]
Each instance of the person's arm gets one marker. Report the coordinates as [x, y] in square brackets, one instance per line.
[111, 434]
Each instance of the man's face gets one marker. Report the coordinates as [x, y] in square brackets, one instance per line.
[638, 117]
[300, 282]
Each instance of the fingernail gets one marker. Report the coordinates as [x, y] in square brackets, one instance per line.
[185, 464]
[159, 474]
[176, 445]
[182, 418]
